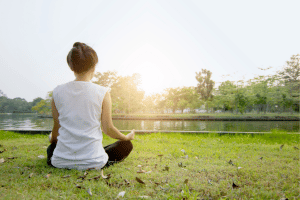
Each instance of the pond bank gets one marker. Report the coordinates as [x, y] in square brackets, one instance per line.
[141, 132]
[209, 118]
[201, 118]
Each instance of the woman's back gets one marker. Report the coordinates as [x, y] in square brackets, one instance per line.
[76, 137]
[79, 105]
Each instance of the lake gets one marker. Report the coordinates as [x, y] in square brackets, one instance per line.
[32, 122]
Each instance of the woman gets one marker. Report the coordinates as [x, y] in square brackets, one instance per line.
[79, 108]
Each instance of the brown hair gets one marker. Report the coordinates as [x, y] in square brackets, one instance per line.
[81, 58]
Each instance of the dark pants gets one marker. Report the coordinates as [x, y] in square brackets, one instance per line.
[116, 152]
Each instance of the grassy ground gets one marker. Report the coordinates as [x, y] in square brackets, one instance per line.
[256, 164]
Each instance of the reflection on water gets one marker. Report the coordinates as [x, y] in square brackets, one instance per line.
[156, 125]
[24, 121]
[30, 121]
[250, 126]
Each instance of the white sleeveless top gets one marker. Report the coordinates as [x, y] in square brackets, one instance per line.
[79, 144]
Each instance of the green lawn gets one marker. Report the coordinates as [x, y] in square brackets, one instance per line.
[256, 164]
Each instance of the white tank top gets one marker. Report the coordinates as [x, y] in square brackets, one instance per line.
[79, 144]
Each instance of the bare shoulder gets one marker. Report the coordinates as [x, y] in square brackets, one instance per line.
[107, 96]
[106, 107]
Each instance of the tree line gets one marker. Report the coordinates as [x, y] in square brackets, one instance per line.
[272, 93]
[16, 105]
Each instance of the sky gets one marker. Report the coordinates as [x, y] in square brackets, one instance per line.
[165, 41]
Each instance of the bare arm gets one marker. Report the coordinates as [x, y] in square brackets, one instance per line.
[56, 124]
[107, 124]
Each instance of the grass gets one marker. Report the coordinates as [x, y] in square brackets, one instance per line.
[267, 172]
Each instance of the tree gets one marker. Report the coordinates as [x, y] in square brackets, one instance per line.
[180, 98]
[290, 76]
[19, 104]
[153, 103]
[36, 101]
[291, 72]
[286, 102]
[226, 95]
[4, 104]
[160, 103]
[259, 91]
[205, 85]
[125, 93]
[172, 98]
[16, 105]
[44, 106]
[188, 98]
[106, 79]
[241, 100]
[2, 94]
[148, 104]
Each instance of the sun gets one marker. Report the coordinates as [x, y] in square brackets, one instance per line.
[156, 69]
[153, 78]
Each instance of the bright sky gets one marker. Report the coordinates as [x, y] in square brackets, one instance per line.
[165, 41]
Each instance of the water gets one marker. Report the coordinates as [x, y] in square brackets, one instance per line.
[32, 122]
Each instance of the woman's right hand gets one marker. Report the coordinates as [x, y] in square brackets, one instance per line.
[130, 136]
[50, 136]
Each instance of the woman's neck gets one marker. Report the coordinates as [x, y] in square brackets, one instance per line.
[84, 77]
[87, 76]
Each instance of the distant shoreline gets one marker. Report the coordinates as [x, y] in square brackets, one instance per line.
[212, 118]
[192, 117]
[203, 118]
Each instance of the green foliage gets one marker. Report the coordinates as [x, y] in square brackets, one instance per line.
[226, 95]
[2, 94]
[263, 94]
[205, 84]
[106, 79]
[43, 107]
[172, 97]
[291, 73]
[272, 93]
[290, 76]
[180, 98]
[16, 105]
[36, 101]
[125, 93]
[241, 101]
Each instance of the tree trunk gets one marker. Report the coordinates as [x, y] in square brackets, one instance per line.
[291, 110]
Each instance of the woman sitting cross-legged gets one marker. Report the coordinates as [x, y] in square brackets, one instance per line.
[79, 108]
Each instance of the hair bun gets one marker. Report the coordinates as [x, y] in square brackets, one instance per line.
[77, 44]
[81, 57]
